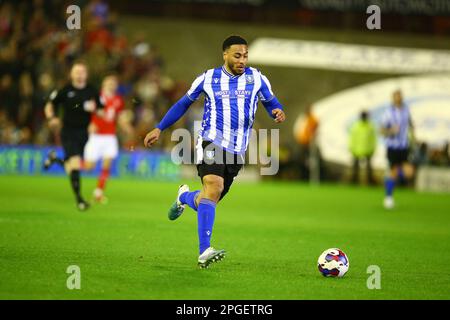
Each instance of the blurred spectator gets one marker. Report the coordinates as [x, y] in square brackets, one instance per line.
[419, 155]
[362, 145]
[37, 50]
[98, 10]
[439, 156]
[305, 131]
[6, 20]
[9, 97]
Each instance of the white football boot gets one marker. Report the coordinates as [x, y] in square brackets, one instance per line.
[209, 256]
[388, 203]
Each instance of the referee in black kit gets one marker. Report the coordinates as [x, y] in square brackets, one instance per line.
[78, 100]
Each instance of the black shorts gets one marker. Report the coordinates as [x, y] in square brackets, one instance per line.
[397, 156]
[214, 160]
[73, 141]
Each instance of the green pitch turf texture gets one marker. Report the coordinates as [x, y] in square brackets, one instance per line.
[273, 233]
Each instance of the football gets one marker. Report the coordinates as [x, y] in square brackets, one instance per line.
[333, 263]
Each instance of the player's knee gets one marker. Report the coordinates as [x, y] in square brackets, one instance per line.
[408, 171]
[70, 164]
[213, 187]
[106, 164]
[88, 166]
[393, 173]
[75, 162]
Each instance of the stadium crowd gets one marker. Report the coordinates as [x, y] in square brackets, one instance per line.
[37, 50]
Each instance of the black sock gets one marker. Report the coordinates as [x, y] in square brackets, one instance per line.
[76, 185]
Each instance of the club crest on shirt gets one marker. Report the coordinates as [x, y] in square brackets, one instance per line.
[216, 80]
[249, 78]
[209, 154]
[71, 94]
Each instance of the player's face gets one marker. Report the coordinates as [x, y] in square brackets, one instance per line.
[236, 57]
[110, 84]
[79, 75]
[397, 98]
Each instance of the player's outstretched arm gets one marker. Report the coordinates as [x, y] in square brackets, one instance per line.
[172, 116]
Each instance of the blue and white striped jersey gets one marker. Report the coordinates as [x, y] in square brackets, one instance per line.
[399, 117]
[230, 105]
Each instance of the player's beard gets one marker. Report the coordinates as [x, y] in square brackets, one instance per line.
[235, 71]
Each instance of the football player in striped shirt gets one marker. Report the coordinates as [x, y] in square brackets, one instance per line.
[396, 128]
[231, 92]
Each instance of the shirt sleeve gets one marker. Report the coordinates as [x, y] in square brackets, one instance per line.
[196, 87]
[56, 98]
[265, 92]
[268, 99]
[386, 119]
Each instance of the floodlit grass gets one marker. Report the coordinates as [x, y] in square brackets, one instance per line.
[273, 232]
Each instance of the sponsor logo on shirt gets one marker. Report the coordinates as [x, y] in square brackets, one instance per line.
[232, 94]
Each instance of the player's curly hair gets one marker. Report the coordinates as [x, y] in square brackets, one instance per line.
[233, 39]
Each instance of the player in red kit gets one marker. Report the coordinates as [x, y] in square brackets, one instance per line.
[102, 143]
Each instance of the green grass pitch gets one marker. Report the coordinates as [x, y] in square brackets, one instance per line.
[273, 232]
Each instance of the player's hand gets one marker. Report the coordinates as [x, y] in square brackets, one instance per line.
[278, 115]
[54, 124]
[152, 137]
[395, 130]
[89, 106]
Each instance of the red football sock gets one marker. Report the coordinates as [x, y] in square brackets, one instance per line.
[102, 178]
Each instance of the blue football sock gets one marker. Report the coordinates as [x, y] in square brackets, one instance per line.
[389, 184]
[189, 199]
[206, 214]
